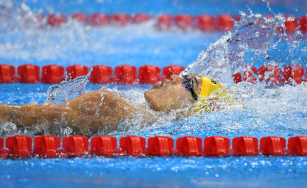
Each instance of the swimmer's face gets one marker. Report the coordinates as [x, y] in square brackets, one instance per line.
[171, 95]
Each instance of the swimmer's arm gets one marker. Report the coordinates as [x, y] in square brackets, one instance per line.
[104, 109]
[103, 102]
[113, 109]
[27, 115]
[91, 111]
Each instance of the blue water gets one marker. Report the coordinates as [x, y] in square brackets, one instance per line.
[261, 111]
[172, 7]
[156, 172]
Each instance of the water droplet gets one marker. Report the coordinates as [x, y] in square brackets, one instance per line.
[304, 49]
[295, 43]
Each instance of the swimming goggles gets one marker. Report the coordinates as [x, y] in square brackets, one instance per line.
[188, 83]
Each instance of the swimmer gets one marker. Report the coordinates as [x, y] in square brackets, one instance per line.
[104, 109]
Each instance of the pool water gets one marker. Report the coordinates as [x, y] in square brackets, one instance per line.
[156, 172]
[261, 110]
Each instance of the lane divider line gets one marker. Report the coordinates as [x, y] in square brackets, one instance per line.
[123, 74]
[183, 22]
[147, 74]
[48, 146]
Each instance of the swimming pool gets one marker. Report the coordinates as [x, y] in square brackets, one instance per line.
[262, 110]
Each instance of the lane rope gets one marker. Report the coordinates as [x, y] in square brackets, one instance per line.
[147, 74]
[183, 22]
[47, 146]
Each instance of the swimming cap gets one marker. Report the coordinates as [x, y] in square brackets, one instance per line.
[208, 86]
[204, 103]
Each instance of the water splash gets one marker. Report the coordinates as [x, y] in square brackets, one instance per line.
[259, 110]
[66, 91]
[250, 39]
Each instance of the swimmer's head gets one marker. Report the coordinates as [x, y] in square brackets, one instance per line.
[180, 92]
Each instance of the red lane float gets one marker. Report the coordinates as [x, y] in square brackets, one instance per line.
[250, 76]
[287, 73]
[101, 74]
[216, 146]
[204, 23]
[172, 70]
[133, 145]
[296, 73]
[54, 20]
[52, 74]
[297, 145]
[80, 17]
[303, 23]
[224, 22]
[97, 20]
[237, 78]
[103, 145]
[183, 22]
[19, 145]
[274, 75]
[291, 25]
[46, 145]
[189, 146]
[121, 19]
[149, 74]
[28, 73]
[272, 145]
[7, 73]
[245, 145]
[164, 22]
[140, 18]
[124, 74]
[75, 71]
[75, 145]
[160, 145]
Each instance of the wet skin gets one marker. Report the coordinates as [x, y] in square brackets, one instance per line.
[94, 110]
[171, 95]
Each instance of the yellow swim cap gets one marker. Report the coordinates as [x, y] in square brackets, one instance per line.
[204, 102]
[208, 86]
